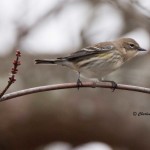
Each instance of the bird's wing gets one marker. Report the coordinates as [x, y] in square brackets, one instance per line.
[88, 51]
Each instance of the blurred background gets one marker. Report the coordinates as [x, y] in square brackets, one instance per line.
[88, 119]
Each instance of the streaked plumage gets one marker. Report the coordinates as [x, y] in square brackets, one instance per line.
[98, 60]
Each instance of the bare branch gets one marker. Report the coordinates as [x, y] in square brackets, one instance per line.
[14, 71]
[73, 85]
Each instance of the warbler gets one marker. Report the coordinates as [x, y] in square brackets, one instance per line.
[95, 62]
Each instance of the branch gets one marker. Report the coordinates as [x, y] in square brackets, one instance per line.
[14, 71]
[72, 85]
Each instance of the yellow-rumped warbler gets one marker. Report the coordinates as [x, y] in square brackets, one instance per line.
[94, 62]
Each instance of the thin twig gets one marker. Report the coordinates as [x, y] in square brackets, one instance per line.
[72, 85]
[14, 71]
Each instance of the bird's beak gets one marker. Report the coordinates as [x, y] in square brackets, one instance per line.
[141, 49]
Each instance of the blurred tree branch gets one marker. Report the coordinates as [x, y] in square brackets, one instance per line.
[24, 30]
[131, 14]
[128, 11]
[140, 6]
[72, 85]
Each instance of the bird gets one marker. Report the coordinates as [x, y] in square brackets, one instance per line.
[96, 61]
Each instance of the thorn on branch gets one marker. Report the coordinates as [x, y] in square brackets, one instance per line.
[14, 71]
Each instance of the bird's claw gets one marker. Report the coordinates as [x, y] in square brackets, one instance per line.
[114, 85]
[79, 83]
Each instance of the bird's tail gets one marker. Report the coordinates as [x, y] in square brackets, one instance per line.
[49, 61]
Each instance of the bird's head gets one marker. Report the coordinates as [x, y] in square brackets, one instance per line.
[129, 47]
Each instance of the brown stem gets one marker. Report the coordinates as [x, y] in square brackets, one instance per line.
[72, 85]
[14, 71]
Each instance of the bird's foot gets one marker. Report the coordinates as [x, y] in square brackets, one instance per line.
[114, 84]
[79, 83]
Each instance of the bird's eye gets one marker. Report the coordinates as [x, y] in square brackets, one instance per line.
[132, 45]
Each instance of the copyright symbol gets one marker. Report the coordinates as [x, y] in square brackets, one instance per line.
[134, 113]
